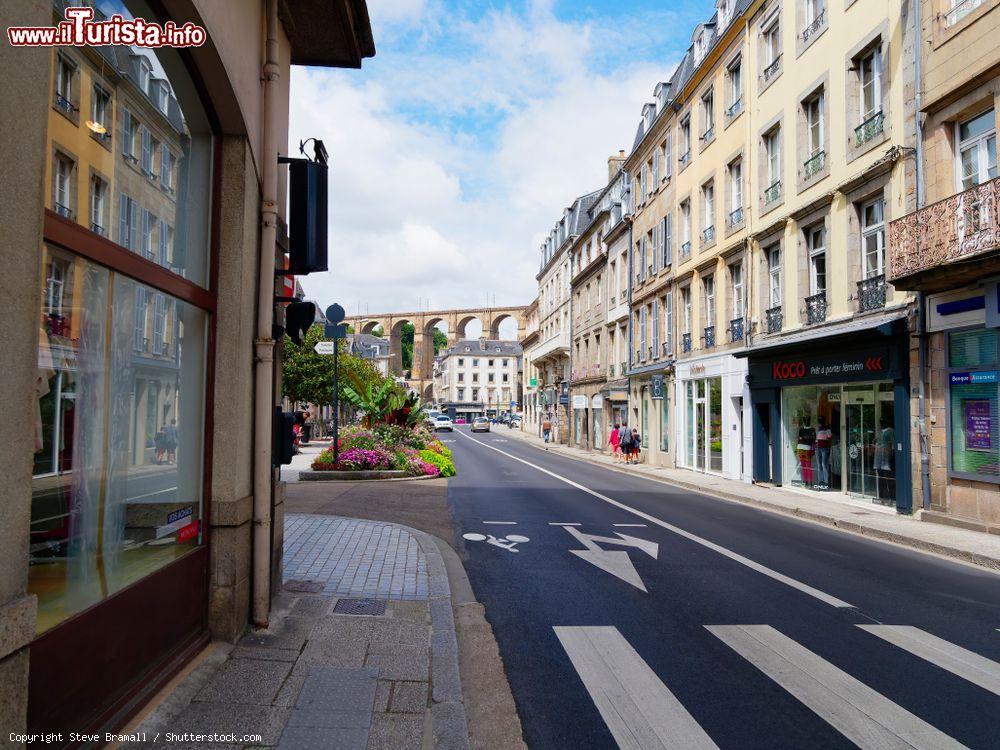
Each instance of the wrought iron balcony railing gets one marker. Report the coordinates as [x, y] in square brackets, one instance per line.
[708, 135]
[814, 164]
[65, 104]
[98, 229]
[709, 337]
[772, 192]
[869, 128]
[708, 234]
[815, 26]
[871, 293]
[956, 229]
[961, 10]
[685, 157]
[624, 294]
[735, 217]
[735, 108]
[685, 249]
[63, 210]
[772, 69]
[774, 319]
[736, 329]
[685, 342]
[816, 308]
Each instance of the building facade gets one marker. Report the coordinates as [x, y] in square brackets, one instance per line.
[946, 251]
[137, 217]
[372, 348]
[478, 378]
[550, 356]
[530, 407]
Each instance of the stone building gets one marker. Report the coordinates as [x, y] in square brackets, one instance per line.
[531, 408]
[478, 378]
[947, 252]
[140, 220]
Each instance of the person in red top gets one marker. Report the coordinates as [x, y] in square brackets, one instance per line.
[615, 445]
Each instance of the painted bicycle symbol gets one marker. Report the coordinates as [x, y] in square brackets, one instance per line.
[508, 542]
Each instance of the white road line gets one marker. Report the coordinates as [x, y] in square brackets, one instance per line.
[804, 588]
[867, 718]
[557, 523]
[639, 710]
[959, 661]
[501, 523]
[632, 525]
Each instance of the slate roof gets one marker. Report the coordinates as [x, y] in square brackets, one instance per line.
[368, 346]
[484, 347]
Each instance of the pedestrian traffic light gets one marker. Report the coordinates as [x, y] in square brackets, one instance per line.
[299, 317]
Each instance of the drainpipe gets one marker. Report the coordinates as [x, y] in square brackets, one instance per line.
[925, 460]
[264, 343]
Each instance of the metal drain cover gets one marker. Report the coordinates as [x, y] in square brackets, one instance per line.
[303, 587]
[360, 607]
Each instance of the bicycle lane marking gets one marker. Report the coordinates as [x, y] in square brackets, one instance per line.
[735, 556]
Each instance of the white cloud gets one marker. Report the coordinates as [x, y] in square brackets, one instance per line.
[425, 209]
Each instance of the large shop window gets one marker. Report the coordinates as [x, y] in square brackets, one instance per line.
[119, 434]
[972, 405]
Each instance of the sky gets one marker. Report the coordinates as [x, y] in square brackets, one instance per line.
[455, 149]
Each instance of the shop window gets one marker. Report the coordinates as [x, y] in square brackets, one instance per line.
[973, 419]
[644, 428]
[665, 422]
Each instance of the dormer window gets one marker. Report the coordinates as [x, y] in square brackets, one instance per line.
[144, 72]
[164, 96]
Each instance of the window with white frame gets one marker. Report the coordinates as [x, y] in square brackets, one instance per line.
[736, 191]
[734, 76]
[62, 179]
[816, 247]
[774, 276]
[163, 96]
[159, 322]
[873, 237]
[686, 306]
[814, 124]
[65, 72]
[55, 285]
[869, 79]
[708, 207]
[100, 113]
[98, 205]
[685, 156]
[708, 115]
[144, 75]
[736, 282]
[708, 285]
[814, 9]
[141, 310]
[977, 150]
[686, 224]
[771, 44]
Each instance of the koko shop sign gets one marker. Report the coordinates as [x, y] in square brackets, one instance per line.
[821, 368]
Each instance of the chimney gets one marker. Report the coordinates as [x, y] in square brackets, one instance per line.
[615, 164]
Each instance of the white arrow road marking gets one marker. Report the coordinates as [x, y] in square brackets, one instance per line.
[639, 710]
[762, 569]
[867, 718]
[959, 661]
[615, 562]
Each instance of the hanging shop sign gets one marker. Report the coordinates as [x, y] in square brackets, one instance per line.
[656, 387]
[564, 393]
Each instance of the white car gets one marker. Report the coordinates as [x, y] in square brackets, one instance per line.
[443, 422]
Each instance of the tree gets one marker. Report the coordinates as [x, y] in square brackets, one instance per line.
[440, 340]
[406, 332]
[308, 377]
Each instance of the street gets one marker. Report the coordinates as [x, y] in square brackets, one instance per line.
[632, 614]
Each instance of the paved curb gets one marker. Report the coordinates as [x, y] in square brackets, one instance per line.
[448, 719]
[988, 561]
[309, 475]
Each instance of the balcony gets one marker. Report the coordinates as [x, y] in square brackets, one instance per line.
[815, 26]
[772, 192]
[62, 210]
[685, 342]
[98, 229]
[736, 329]
[685, 158]
[735, 217]
[949, 243]
[708, 135]
[554, 346]
[816, 308]
[709, 337]
[624, 294]
[869, 129]
[735, 108]
[773, 319]
[666, 347]
[685, 250]
[65, 104]
[708, 235]
[871, 293]
[961, 10]
[623, 368]
[814, 165]
[771, 70]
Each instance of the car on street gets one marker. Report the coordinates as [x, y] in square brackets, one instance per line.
[443, 422]
[480, 424]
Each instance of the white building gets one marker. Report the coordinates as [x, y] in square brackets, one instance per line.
[372, 348]
[478, 377]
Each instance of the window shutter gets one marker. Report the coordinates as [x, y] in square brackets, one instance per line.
[123, 239]
[656, 327]
[126, 132]
[668, 242]
[147, 153]
[133, 225]
[653, 259]
[656, 168]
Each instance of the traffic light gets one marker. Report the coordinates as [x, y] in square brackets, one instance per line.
[299, 317]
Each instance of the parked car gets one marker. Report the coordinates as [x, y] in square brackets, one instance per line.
[480, 424]
[443, 422]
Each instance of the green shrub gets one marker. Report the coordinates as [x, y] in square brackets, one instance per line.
[444, 463]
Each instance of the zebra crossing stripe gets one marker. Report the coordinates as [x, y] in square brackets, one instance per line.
[959, 661]
[867, 718]
[639, 710]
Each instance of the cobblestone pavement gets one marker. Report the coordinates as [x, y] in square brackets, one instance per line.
[354, 558]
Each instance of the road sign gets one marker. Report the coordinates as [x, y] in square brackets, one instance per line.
[324, 347]
[335, 313]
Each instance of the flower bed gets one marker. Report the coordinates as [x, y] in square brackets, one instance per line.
[388, 448]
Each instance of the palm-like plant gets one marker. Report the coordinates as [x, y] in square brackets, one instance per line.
[382, 403]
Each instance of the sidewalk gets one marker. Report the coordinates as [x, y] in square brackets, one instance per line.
[361, 651]
[861, 518]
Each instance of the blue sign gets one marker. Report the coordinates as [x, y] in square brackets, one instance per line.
[967, 378]
[180, 513]
[657, 387]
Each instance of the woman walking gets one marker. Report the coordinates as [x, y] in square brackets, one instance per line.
[634, 442]
[613, 442]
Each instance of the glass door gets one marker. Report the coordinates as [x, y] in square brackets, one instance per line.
[700, 428]
[861, 431]
[714, 403]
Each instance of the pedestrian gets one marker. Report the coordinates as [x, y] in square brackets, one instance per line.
[547, 429]
[160, 443]
[824, 437]
[635, 442]
[170, 442]
[625, 445]
[613, 441]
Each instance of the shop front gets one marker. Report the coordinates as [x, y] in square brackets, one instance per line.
[711, 397]
[831, 415]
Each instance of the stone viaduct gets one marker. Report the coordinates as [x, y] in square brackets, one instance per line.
[422, 373]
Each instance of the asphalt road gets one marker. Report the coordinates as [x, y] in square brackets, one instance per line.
[602, 651]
